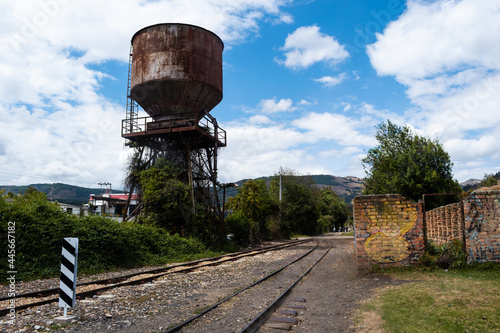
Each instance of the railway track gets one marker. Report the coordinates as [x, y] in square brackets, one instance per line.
[241, 311]
[96, 287]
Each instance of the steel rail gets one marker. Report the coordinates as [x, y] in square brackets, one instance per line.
[115, 282]
[204, 312]
[261, 318]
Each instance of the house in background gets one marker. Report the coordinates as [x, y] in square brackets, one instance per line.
[113, 204]
[70, 209]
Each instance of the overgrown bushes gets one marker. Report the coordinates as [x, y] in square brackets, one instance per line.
[104, 244]
[449, 255]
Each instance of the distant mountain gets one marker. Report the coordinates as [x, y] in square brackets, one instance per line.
[63, 193]
[470, 182]
[346, 187]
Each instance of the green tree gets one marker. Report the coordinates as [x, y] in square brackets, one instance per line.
[165, 197]
[489, 180]
[407, 164]
[252, 206]
[299, 207]
[334, 212]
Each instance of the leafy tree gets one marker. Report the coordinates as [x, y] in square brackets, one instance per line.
[489, 180]
[299, 206]
[165, 198]
[252, 206]
[407, 164]
[334, 212]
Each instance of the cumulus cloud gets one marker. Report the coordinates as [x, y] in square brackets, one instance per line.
[473, 148]
[436, 37]
[307, 46]
[331, 81]
[333, 126]
[446, 55]
[269, 106]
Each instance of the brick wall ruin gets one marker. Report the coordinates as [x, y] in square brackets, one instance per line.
[444, 224]
[388, 231]
[482, 226]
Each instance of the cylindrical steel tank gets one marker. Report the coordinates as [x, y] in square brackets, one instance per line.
[176, 68]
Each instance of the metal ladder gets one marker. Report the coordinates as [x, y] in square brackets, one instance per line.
[132, 116]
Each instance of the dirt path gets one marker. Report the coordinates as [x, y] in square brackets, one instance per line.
[333, 291]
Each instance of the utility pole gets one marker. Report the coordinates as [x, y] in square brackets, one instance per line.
[105, 184]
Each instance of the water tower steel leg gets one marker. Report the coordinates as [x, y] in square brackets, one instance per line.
[189, 167]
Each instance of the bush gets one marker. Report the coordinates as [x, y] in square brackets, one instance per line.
[449, 255]
[104, 244]
[239, 226]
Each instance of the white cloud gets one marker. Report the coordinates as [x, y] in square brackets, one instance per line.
[332, 126]
[307, 46]
[346, 106]
[285, 18]
[310, 144]
[431, 38]
[259, 119]
[269, 106]
[484, 147]
[341, 153]
[331, 81]
[446, 54]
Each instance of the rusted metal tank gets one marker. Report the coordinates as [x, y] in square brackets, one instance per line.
[176, 68]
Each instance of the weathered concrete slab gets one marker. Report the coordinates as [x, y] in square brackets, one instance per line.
[65, 320]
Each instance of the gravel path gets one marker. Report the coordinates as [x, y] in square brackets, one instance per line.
[154, 306]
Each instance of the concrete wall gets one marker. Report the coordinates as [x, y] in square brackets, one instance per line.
[482, 226]
[388, 231]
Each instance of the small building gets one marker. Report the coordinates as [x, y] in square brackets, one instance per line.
[113, 204]
[70, 209]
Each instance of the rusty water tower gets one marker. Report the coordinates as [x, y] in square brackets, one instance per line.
[175, 76]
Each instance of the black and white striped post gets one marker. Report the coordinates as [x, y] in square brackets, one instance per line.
[67, 286]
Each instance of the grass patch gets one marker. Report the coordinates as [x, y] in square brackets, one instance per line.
[466, 300]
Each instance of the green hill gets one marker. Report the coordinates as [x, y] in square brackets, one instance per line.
[64, 193]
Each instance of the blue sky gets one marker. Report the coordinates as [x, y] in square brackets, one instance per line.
[305, 83]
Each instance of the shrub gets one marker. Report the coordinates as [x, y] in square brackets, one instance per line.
[104, 244]
[449, 255]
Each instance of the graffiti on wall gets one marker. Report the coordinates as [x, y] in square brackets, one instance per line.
[474, 215]
[387, 228]
[482, 221]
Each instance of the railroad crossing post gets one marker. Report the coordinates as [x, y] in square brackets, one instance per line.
[67, 286]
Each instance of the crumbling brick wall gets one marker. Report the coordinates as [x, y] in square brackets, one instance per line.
[388, 231]
[444, 224]
[482, 226]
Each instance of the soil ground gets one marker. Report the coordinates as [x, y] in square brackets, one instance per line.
[333, 290]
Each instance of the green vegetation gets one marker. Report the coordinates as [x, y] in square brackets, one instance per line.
[450, 255]
[304, 209]
[465, 300]
[104, 244]
[489, 180]
[165, 198]
[408, 164]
